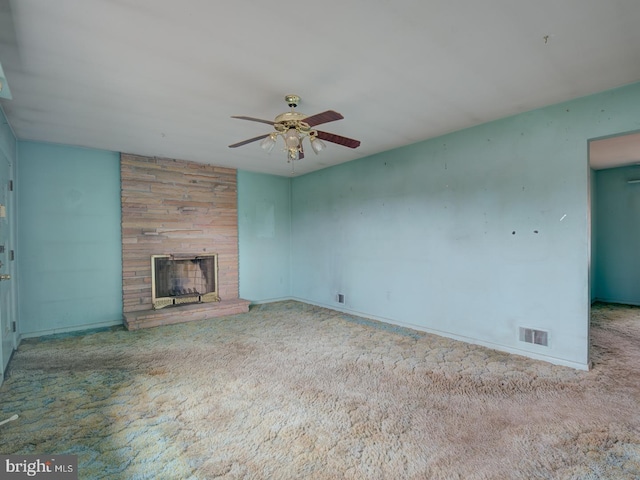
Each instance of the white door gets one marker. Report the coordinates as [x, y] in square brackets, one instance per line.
[8, 337]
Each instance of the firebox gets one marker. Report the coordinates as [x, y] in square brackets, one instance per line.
[178, 279]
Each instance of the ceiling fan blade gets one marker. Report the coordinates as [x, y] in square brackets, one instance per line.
[324, 117]
[339, 139]
[242, 117]
[244, 142]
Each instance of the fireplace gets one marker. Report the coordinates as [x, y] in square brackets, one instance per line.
[170, 207]
[182, 279]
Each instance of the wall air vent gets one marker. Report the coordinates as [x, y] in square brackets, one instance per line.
[340, 298]
[537, 337]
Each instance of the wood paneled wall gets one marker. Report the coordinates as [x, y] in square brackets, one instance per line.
[176, 206]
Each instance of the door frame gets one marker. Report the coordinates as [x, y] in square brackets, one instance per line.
[9, 267]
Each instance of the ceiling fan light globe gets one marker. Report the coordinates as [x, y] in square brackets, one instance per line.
[292, 139]
[317, 145]
[268, 143]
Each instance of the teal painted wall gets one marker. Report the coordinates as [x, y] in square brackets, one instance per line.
[264, 230]
[470, 235]
[617, 261]
[69, 256]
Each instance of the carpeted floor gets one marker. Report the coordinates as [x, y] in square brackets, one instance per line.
[290, 391]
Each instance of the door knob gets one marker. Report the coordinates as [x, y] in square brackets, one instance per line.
[5, 276]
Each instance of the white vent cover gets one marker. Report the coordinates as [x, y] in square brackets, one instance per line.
[537, 337]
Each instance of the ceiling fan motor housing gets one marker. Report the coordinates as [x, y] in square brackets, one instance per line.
[288, 120]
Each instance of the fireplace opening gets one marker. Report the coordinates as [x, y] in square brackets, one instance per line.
[182, 279]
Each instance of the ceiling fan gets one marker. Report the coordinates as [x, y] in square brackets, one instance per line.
[293, 127]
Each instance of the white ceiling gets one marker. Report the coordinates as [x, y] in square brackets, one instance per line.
[163, 77]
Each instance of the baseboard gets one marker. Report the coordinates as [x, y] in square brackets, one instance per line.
[80, 328]
[274, 300]
[616, 302]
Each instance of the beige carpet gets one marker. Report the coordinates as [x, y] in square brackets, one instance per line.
[292, 391]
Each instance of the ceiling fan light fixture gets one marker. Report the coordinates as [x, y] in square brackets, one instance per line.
[317, 145]
[294, 127]
[268, 143]
[292, 138]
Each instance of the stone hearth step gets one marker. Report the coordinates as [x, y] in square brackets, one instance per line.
[184, 313]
